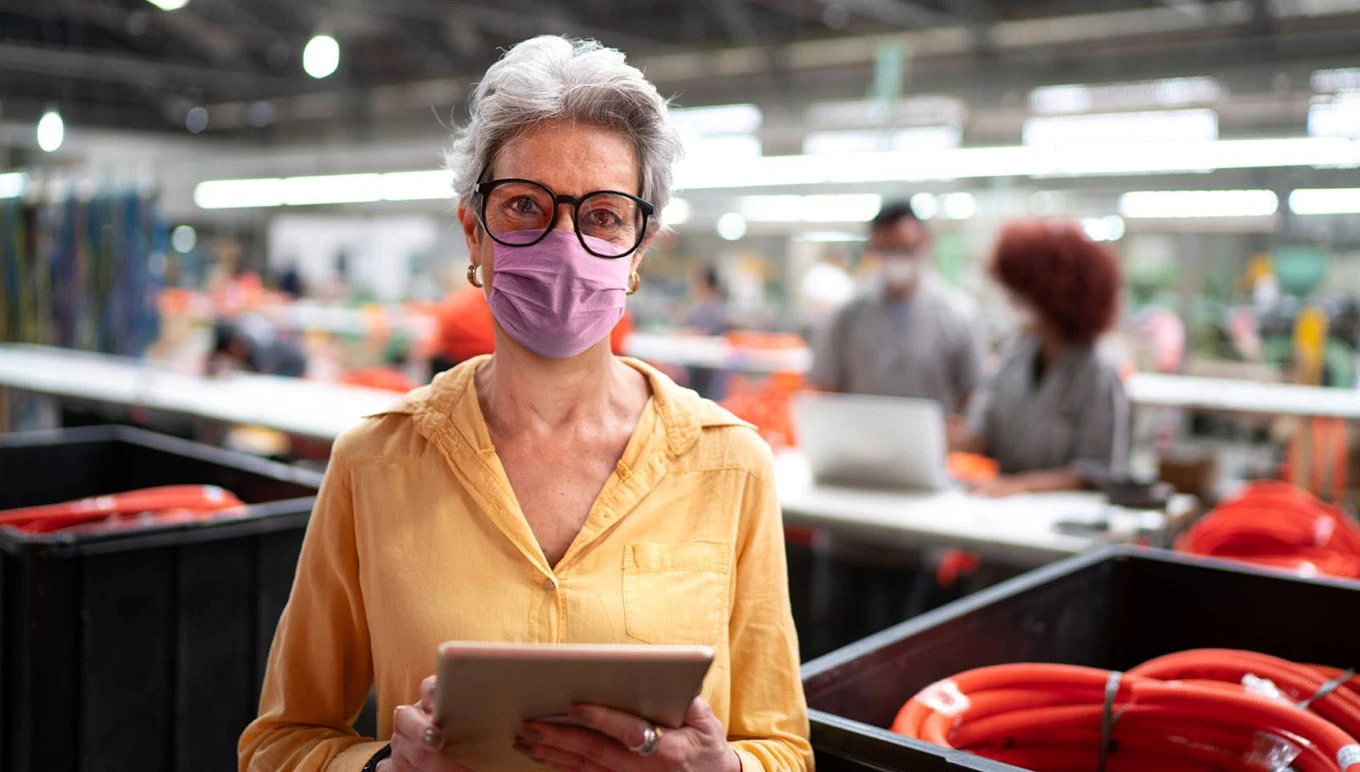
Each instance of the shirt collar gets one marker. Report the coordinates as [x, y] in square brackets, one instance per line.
[449, 405]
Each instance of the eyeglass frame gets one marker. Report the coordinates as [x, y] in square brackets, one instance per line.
[481, 189]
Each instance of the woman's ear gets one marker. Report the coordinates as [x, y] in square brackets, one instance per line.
[636, 259]
[472, 229]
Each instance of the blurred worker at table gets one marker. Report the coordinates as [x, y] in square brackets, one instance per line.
[550, 492]
[904, 337]
[707, 311]
[251, 344]
[707, 315]
[1054, 415]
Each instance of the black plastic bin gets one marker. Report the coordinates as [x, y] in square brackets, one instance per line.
[1112, 609]
[139, 651]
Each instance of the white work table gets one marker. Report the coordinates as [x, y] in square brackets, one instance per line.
[1285, 399]
[298, 407]
[714, 352]
[1020, 530]
[1146, 389]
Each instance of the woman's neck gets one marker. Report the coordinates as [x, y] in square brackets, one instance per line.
[1051, 347]
[520, 391]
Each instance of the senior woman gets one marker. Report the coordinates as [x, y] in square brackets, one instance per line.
[551, 492]
[1055, 412]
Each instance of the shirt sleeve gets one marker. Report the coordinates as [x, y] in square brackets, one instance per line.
[319, 669]
[982, 409]
[829, 366]
[1103, 427]
[967, 364]
[769, 724]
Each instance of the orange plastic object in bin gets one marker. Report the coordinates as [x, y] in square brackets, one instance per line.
[172, 502]
[384, 378]
[1207, 709]
[1275, 525]
[972, 468]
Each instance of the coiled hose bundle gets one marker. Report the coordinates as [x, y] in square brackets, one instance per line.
[1275, 525]
[1206, 709]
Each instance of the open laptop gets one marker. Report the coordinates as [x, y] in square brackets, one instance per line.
[875, 442]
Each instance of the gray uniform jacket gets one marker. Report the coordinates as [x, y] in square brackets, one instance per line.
[926, 349]
[1076, 414]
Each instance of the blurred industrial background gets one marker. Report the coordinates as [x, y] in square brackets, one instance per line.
[800, 116]
[194, 188]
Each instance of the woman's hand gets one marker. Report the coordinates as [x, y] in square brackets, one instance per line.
[601, 744]
[1033, 482]
[959, 438]
[416, 739]
[1002, 487]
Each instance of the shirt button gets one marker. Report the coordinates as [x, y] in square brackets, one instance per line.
[550, 585]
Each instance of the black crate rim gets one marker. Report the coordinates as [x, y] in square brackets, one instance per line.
[259, 518]
[1031, 580]
[874, 744]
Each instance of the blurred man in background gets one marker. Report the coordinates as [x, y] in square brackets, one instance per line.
[707, 315]
[904, 337]
[707, 312]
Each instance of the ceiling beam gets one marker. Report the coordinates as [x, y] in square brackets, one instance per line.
[125, 68]
[508, 23]
[899, 13]
[1195, 9]
[736, 19]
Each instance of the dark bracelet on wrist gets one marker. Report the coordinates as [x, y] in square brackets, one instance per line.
[372, 765]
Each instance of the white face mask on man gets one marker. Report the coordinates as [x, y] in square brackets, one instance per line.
[899, 269]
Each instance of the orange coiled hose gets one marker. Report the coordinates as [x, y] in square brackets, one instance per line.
[1275, 525]
[1189, 710]
[165, 502]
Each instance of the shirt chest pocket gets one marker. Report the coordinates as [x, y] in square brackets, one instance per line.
[675, 593]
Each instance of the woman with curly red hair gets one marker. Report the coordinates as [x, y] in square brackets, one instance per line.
[1055, 412]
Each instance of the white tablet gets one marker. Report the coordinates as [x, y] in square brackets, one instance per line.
[488, 690]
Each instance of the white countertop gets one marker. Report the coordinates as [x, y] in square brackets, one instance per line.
[1185, 391]
[303, 408]
[1018, 529]
[714, 352]
[1150, 389]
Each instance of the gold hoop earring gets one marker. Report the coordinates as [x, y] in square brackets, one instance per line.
[634, 282]
[472, 276]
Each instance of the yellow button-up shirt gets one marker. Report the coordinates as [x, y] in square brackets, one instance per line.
[417, 538]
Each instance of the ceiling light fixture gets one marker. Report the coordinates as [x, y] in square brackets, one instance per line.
[13, 184]
[51, 130]
[732, 226]
[1183, 204]
[1325, 201]
[321, 57]
[367, 188]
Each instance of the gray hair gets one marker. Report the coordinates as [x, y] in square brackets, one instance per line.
[549, 77]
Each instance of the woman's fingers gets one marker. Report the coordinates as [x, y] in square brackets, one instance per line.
[629, 730]
[598, 750]
[427, 688]
[702, 718]
[552, 758]
[414, 724]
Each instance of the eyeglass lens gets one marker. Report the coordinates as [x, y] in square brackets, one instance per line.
[520, 212]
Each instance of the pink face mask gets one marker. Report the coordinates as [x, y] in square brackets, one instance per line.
[556, 298]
